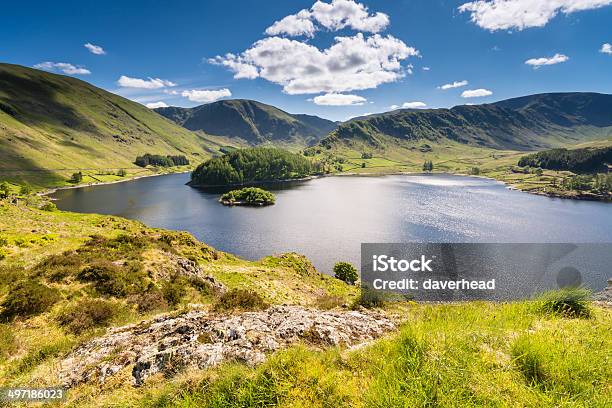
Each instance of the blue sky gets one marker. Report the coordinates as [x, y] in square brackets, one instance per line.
[391, 52]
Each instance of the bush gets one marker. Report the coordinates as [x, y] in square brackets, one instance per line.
[5, 189]
[76, 178]
[152, 299]
[113, 280]
[59, 267]
[121, 173]
[49, 206]
[570, 302]
[346, 272]
[28, 298]
[369, 299]
[87, 314]
[173, 291]
[474, 171]
[239, 299]
[25, 190]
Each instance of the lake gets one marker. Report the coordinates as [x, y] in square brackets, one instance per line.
[328, 218]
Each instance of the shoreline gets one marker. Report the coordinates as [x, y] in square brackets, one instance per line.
[53, 190]
[510, 186]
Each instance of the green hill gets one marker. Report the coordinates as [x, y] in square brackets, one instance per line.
[528, 123]
[52, 125]
[254, 122]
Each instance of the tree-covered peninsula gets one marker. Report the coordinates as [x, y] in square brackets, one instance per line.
[253, 165]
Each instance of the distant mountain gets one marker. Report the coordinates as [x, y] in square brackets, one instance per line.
[251, 121]
[52, 124]
[527, 123]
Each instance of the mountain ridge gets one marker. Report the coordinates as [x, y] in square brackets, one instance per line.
[252, 121]
[529, 122]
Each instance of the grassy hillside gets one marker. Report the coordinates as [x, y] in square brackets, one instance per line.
[52, 125]
[251, 121]
[468, 354]
[529, 123]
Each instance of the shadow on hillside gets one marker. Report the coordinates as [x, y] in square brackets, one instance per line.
[33, 101]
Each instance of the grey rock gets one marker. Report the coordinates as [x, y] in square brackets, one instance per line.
[197, 339]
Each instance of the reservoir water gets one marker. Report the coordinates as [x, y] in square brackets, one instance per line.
[328, 218]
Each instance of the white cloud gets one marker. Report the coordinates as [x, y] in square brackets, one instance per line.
[334, 99]
[154, 105]
[351, 63]
[151, 83]
[64, 67]
[520, 14]
[332, 16]
[426, 68]
[555, 59]
[293, 25]
[606, 48]
[206, 96]
[476, 93]
[455, 84]
[409, 105]
[94, 49]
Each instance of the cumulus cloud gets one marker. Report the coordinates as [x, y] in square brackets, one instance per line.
[495, 15]
[64, 67]
[332, 16]
[476, 93]
[455, 84]
[154, 105]
[606, 48]
[205, 95]
[539, 62]
[409, 105]
[335, 99]
[151, 83]
[94, 49]
[294, 25]
[351, 63]
[426, 68]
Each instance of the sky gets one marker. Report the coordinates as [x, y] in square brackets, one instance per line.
[332, 58]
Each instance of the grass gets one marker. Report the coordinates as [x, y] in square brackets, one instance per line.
[470, 354]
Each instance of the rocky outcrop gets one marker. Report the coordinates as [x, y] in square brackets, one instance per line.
[198, 339]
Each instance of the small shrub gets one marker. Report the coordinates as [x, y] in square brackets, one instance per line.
[239, 299]
[113, 280]
[28, 298]
[150, 300]
[25, 190]
[369, 299]
[346, 272]
[49, 206]
[59, 267]
[173, 291]
[87, 314]
[76, 178]
[3, 241]
[5, 189]
[569, 302]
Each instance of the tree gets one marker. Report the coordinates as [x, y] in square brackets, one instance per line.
[538, 172]
[475, 171]
[363, 165]
[428, 165]
[76, 178]
[25, 189]
[122, 173]
[5, 190]
[346, 272]
[366, 155]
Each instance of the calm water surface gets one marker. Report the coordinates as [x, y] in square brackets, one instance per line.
[328, 218]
